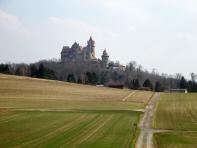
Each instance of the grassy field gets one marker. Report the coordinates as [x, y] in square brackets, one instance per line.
[176, 140]
[176, 112]
[67, 129]
[43, 113]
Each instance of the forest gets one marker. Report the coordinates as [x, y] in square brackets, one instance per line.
[134, 76]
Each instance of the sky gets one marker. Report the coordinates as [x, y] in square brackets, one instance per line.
[159, 35]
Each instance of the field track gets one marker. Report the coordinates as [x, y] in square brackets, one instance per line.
[132, 93]
[146, 134]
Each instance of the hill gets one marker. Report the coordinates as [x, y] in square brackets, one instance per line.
[45, 113]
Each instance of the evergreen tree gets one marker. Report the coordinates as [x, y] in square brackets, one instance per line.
[88, 78]
[79, 80]
[41, 71]
[33, 70]
[158, 87]
[136, 84]
[49, 74]
[147, 83]
[4, 68]
[102, 79]
[183, 83]
[131, 84]
[71, 78]
[192, 86]
[94, 78]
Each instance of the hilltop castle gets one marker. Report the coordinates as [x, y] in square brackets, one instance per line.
[87, 53]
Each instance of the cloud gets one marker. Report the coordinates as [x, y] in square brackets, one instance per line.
[14, 37]
[116, 5]
[127, 7]
[186, 6]
[190, 5]
[132, 29]
[11, 23]
[8, 21]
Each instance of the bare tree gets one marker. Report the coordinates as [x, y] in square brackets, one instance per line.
[193, 77]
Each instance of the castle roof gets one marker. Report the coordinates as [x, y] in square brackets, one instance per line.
[90, 38]
[75, 44]
[65, 48]
[105, 53]
[91, 41]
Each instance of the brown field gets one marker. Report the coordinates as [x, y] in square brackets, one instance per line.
[23, 92]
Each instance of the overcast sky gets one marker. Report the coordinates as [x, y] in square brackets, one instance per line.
[160, 34]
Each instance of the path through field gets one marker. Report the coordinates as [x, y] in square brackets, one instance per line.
[132, 93]
[146, 133]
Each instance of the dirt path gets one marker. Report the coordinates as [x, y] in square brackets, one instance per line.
[146, 134]
[128, 96]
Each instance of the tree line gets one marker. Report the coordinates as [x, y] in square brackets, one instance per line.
[134, 76]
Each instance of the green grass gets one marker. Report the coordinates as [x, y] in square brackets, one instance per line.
[176, 140]
[67, 129]
[176, 112]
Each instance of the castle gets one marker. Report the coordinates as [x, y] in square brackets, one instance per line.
[87, 53]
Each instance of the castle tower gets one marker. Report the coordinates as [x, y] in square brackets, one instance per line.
[105, 59]
[91, 48]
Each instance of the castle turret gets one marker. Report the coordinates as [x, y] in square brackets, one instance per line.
[105, 59]
[91, 42]
[91, 49]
